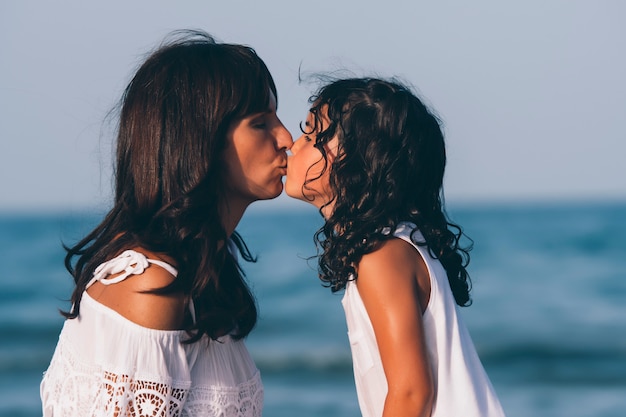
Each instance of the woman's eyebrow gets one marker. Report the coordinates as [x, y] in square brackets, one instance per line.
[262, 112]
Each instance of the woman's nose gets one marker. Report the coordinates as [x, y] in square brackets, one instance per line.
[284, 139]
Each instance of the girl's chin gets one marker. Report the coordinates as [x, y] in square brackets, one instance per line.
[294, 192]
[299, 196]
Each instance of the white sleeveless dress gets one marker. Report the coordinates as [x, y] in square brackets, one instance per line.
[462, 387]
[107, 365]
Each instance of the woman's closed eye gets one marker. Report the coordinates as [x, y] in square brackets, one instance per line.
[260, 124]
[261, 121]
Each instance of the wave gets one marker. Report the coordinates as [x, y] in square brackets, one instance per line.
[603, 364]
[303, 362]
[518, 364]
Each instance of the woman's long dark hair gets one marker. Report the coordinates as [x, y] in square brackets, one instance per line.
[169, 173]
[389, 168]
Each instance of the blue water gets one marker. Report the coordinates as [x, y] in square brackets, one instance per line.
[548, 319]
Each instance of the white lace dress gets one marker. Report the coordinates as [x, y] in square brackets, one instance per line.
[106, 365]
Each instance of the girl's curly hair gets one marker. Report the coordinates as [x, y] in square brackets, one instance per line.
[389, 168]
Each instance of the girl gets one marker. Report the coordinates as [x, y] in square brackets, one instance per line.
[160, 307]
[372, 159]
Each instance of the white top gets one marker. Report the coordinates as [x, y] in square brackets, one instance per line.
[462, 387]
[107, 365]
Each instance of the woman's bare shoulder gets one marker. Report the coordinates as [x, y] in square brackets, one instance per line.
[132, 297]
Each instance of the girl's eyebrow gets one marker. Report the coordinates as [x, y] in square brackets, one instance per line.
[309, 127]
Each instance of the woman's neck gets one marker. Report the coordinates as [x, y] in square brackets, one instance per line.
[231, 213]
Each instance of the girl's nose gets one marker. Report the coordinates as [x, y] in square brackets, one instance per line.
[296, 146]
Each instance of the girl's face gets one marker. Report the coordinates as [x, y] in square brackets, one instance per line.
[256, 157]
[307, 171]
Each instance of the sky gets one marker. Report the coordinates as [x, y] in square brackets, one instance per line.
[531, 94]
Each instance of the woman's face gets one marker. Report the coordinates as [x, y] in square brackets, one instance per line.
[256, 157]
[307, 163]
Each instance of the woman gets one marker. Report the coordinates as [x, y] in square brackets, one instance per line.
[160, 307]
[372, 159]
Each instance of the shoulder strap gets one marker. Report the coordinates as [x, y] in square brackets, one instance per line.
[409, 232]
[131, 262]
[128, 263]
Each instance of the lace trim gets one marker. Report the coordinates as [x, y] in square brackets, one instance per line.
[73, 389]
[121, 395]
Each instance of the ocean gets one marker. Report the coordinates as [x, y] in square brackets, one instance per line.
[548, 318]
